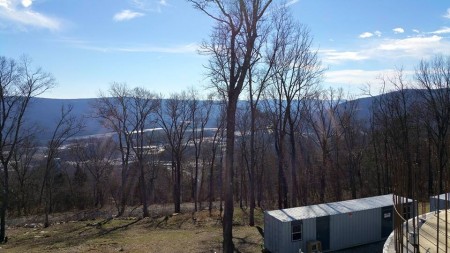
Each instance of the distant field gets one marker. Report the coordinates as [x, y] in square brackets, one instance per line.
[181, 233]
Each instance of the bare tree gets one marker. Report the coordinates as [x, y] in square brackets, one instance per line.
[434, 77]
[231, 48]
[96, 155]
[351, 132]
[200, 114]
[143, 105]
[19, 83]
[174, 117]
[113, 111]
[322, 120]
[67, 126]
[296, 70]
[216, 145]
[24, 172]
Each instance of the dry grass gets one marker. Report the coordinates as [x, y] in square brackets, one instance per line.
[188, 232]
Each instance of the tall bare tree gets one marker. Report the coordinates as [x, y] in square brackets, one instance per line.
[231, 48]
[19, 83]
[296, 70]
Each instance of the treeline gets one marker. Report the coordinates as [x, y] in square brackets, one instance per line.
[161, 151]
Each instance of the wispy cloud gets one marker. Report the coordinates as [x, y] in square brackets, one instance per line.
[291, 2]
[398, 30]
[447, 14]
[417, 47]
[150, 5]
[377, 33]
[443, 30]
[354, 76]
[365, 35]
[415, 30]
[417, 44]
[20, 13]
[359, 79]
[140, 48]
[127, 15]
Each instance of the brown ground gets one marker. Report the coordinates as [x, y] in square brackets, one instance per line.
[186, 232]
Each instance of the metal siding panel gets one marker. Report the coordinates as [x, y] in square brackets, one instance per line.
[355, 229]
[285, 241]
[309, 232]
[277, 233]
[267, 231]
[271, 233]
[282, 242]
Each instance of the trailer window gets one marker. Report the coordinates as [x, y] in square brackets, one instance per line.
[297, 228]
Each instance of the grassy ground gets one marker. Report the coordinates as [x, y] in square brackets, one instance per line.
[186, 232]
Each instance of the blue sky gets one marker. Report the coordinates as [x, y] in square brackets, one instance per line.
[88, 44]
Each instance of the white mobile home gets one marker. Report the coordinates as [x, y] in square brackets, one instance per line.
[337, 225]
[439, 202]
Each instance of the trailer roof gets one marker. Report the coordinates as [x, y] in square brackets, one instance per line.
[441, 196]
[348, 206]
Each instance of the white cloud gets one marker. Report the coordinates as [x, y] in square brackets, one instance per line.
[334, 56]
[365, 35]
[12, 12]
[443, 30]
[411, 48]
[415, 30]
[4, 3]
[398, 30]
[377, 33]
[127, 15]
[447, 14]
[358, 79]
[353, 76]
[411, 44]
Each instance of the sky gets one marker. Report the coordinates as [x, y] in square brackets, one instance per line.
[89, 44]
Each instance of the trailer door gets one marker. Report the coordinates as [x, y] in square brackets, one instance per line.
[323, 231]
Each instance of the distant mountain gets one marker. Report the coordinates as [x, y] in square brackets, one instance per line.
[45, 112]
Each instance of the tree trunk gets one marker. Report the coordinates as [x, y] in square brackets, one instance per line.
[143, 191]
[211, 182]
[5, 202]
[123, 198]
[228, 246]
[177, 187]
[294, 194]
